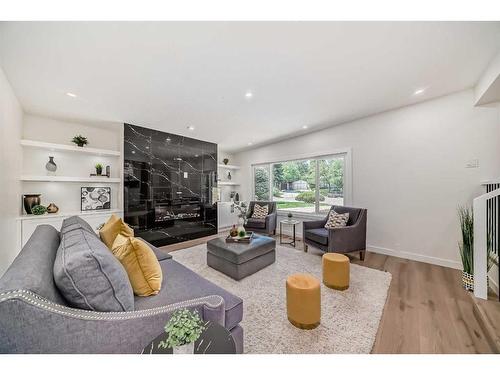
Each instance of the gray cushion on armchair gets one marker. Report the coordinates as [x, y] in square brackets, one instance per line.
[87, 274]
[256, 223]
[319, 235]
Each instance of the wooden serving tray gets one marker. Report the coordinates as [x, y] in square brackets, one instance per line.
[247, 239]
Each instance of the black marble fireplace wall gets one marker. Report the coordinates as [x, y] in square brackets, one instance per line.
[168, 182]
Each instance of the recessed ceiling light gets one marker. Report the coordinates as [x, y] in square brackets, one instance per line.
[305, 127]
[250, 143]
[71, 94]
[191, 128]
[248, 94]
[419, 91]
[133, 152]
[168, 139]
[196, 155]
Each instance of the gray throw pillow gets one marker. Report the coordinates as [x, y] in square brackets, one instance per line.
[76, 222]
[89, 276]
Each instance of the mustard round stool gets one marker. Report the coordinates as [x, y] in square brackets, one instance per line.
[336, 271]
[303, 300]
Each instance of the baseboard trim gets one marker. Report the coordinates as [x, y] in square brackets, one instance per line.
[413, 256]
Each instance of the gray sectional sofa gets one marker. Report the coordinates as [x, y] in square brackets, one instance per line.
[35, 317]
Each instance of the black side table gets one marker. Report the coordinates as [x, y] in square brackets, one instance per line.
[293, 223]
[215, 339]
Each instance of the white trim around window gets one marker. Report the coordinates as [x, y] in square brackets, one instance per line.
[347, 189]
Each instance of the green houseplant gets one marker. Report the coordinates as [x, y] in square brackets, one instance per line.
[79, 140]
[466, 247]
[38, 210]
[98, 169]
[183, 329]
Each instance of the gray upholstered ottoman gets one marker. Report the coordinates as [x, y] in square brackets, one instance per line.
[239, 260]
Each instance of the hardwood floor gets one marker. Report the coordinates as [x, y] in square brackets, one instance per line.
[427, 310]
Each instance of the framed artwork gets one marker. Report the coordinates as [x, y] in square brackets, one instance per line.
[95, 198]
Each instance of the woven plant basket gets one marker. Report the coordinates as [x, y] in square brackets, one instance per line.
[468, 281]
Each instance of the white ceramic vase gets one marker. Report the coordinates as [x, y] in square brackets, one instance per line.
[184, 349]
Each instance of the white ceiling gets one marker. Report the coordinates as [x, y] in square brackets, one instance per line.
[168, 75]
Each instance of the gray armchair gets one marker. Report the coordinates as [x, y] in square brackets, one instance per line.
[267, 225]
[338, 240]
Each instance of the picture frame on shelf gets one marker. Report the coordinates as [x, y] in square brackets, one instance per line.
[95, 198]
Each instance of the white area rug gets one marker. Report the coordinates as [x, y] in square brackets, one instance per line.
[349, 319]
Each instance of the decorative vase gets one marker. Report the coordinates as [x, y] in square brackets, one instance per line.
[51, 167]
[225, 161]
[52, 208]
[468, 281]
[30, 201]
[184, 349]
[229, 175]
[290, 215]
[234, 231]
[98, 171]
[241, 228]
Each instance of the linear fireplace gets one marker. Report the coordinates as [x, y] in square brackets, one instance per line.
[168, 182]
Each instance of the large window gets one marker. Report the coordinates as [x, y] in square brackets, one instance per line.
[261, 183]
[307, 186]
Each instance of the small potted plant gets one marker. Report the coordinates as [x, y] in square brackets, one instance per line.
[79, 140]
[183, 329]
[98, 169]
[38, 210]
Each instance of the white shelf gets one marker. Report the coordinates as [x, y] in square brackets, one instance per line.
[228, 166]
[67, 214]
[70, 179]
[68, 148]
[226, 183]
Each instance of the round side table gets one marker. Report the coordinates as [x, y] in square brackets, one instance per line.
[293, 223]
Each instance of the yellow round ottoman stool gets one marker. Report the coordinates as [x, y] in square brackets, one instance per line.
[303, 300]
[336, 271]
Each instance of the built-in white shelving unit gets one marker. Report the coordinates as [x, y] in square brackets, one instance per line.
[68, 148]
[109, 180]
[228, 166]
[68, 214]
[45, 138]
[227, 183]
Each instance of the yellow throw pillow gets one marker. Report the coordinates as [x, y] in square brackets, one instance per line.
[114, 226]
[141, 264]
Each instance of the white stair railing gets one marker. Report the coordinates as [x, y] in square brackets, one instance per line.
[485, 224]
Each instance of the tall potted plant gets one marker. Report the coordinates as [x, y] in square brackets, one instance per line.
[466, 247]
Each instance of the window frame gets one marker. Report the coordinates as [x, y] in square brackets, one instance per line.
[347, 188]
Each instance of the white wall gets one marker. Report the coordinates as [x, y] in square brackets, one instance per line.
[67, 195]
[11, 120]
[408, 171]
[487, 89]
